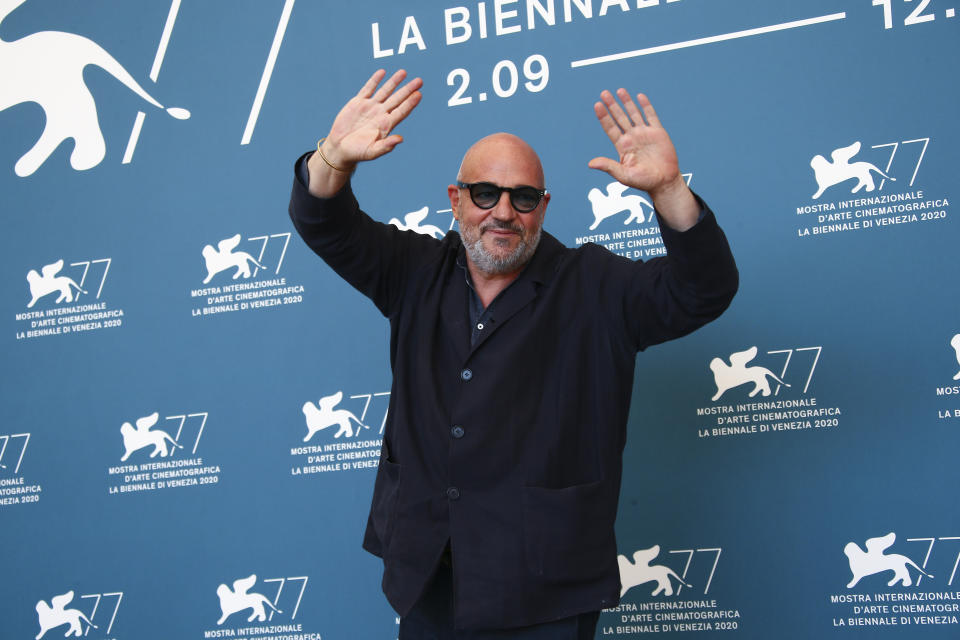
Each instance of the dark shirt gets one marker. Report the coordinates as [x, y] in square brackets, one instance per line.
[508, 447]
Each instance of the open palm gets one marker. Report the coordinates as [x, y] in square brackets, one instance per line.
[362, 129]
[648, 160]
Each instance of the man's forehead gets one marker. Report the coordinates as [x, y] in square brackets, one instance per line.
[503, 157]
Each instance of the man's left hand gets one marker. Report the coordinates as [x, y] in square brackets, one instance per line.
[648, 160]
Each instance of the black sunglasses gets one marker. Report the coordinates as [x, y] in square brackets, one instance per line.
[486, 195]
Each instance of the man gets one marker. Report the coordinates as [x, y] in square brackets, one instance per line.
[513, 361]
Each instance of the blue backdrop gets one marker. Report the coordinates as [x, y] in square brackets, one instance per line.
[178, 367]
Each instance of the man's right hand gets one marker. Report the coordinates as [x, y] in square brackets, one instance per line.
[362, 130]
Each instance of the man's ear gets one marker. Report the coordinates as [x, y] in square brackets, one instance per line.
[453, 192]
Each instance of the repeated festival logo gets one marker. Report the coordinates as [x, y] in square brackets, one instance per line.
[417, 221]
[737, 373]
[15, 487]
[640, 571]
[342, 433]
[865, 185]
[899, 583]
[144, 436]
[326, 413]
[239, 599]
[13, 446]
[613, 202]
[47, 68]
[96, 608]
[247, 611]
[224, 258]
[839, 170]
[244, 274]
[669, 592]
[875, 561]
[624, 221]
[66, 298]
[761, 392]
[159, 456]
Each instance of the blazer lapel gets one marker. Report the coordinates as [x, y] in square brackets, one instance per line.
[526, 288]
[454, 311]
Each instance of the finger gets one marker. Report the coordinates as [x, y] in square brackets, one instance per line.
[630, 106]
[384, 92]
[648, 110]
[401, 95]
[367, 89]
[615, 110]
[402, 110]
[384, 145]
[606, 121]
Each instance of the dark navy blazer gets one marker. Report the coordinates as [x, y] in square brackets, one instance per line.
[510, 449]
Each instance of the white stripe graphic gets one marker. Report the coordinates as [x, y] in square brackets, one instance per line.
[165, 39]
[709, 40]
[134, 136]
[267, 72]
[154, 73]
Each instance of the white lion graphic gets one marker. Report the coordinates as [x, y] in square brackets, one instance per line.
[50, 282]
[873, 560]
[413, 222]
[47, 68]
[142, 436]
[841, 169]
[323, 415]
[955, 343]
[238, 599]
[640, 571]
[613, 202]
[737, 373]
[224, 257]
[55, 615]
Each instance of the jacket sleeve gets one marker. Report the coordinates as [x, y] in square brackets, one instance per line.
[668, 297]
[375, 258]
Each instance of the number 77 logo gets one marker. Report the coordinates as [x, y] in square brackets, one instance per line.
[6, 440]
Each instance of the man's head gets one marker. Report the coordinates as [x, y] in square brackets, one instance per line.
[500, 239]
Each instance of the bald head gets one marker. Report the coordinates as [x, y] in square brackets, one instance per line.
[504, 159]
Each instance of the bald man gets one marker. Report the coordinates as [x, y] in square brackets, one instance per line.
[513, 362]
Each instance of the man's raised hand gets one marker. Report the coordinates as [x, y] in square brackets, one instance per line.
[648, 160]
[363, 130]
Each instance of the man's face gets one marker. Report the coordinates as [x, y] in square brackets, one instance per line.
[500, 240]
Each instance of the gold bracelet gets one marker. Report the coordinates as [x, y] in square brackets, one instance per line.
[329, 164]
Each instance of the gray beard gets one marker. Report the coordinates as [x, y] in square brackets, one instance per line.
[497, 265]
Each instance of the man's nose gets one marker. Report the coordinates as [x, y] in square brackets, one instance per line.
[504, 208]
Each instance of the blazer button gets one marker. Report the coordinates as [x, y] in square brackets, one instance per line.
[456, 431]
[453, 493]
[466, 375]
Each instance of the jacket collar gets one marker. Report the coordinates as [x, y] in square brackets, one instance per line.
[538, 273]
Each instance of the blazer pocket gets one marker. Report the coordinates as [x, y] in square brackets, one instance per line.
[568, 533]
[383, 507]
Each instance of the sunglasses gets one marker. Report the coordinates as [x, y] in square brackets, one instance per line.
[486, 195]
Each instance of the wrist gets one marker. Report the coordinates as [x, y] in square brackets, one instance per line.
[675, 189]
[676, 204]
[330, 155]
[322, 181]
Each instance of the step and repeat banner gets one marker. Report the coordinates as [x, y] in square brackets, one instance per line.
[194, 403]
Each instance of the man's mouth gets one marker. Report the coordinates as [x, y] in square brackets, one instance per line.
[502, 230]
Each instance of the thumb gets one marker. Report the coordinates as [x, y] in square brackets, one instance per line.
[606, 165]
